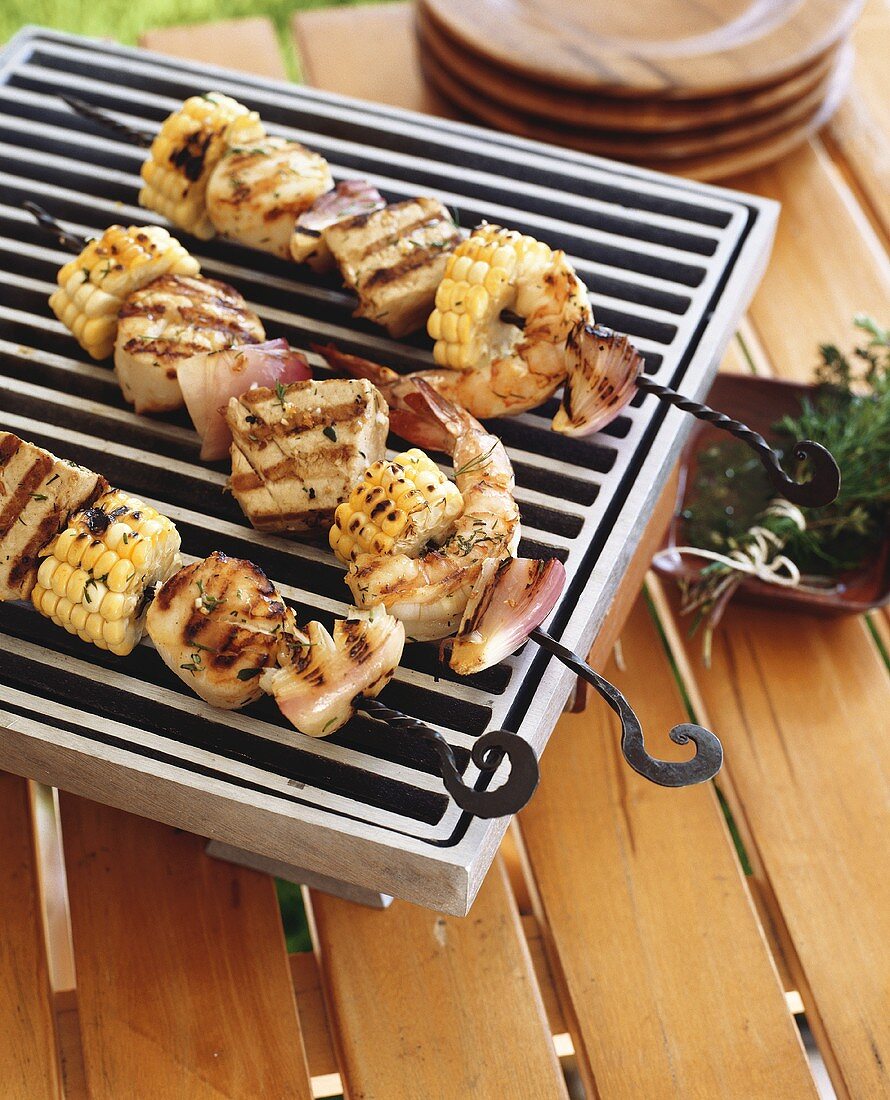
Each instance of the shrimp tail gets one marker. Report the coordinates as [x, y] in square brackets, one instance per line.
[410, 412]
[603, 367]
[356, 367]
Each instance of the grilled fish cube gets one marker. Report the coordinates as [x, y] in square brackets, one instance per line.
[394, 259]
[171, 319]
[298, 450]
[38, 492]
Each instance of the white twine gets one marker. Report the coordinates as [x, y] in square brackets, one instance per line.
[758, 558]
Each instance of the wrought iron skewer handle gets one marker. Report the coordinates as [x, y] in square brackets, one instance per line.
[666, 773]
[820, 490]
[487, 754]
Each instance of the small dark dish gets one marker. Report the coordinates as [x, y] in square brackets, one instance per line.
[760, 402]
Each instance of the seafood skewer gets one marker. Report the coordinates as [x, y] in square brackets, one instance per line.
[136, 291]
[213, 169]
[512, 322]
[219, 624]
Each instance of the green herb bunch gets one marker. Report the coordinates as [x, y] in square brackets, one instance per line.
[850, 415]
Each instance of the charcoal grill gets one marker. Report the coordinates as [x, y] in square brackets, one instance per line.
[670, 262]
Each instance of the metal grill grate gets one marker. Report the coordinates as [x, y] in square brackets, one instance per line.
[669, 262]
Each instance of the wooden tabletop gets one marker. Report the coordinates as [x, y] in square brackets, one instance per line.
[630, 941]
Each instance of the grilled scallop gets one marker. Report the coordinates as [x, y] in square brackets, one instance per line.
[256, 193]
[394, 259]
[38, 492]
[169, 320]
[217, 624]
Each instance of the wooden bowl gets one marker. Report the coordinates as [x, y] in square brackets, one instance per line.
[760, 402]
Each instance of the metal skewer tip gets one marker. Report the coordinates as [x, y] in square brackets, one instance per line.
[101, 118]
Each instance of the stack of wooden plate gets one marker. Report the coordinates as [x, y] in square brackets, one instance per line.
[703, 90]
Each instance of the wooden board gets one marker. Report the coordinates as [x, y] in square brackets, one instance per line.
[824, 270]
[802, 704]
[248, 44]
[664, 47]
[183, 986]
[742, 137]
[858, 133]
[331, 55]
[667, 982]
[605, 112]
[28, 1062]
[427, 1007]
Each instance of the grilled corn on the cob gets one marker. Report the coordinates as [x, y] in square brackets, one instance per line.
[97, 574]
[397, 508]
[94, 286]
[482, 278]
[188, 147]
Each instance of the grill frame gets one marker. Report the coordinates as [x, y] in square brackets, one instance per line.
[444, 875]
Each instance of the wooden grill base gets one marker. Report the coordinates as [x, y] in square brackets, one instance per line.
[298, 875]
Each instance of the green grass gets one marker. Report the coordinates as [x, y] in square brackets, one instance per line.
[125, 20]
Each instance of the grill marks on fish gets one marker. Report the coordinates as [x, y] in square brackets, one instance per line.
[38, 493]
[218, 623]
[394, 259]
[171, 319]
[298, 453]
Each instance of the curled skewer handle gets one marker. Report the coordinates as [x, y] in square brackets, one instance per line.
[487, 754]
[821, 489]
[97, 115]
[46, 221]
[666, 773]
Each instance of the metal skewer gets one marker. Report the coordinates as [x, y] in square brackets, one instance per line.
[491, 748]
[96, 114]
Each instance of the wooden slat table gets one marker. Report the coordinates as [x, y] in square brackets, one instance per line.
[618, 929]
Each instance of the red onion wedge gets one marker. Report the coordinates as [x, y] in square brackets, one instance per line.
[208, 381]
[348, 199]
[603, 367]
[321, 675]
[509, 600]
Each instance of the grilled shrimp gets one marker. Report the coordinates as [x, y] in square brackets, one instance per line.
[256, 194]
[429, 593]
[174, 317]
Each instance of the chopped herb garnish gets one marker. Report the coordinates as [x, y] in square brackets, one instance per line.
[248, 673]
[330, 432]
[208, 602]
[478, 462]
[280, 393]
[39, 496]
[194, 665]
[55, 477]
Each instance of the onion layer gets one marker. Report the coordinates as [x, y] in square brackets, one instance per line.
[509, 600]
[208, 381]
[603, 367]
